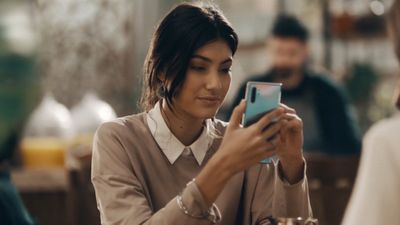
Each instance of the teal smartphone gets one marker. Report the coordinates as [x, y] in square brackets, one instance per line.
[261, 98]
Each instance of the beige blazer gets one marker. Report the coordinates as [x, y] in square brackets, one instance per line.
[136, 184]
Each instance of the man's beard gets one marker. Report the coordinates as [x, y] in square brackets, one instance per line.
[282, 73]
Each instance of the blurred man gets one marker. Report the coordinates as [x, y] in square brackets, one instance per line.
[328, 124]
[376, 195]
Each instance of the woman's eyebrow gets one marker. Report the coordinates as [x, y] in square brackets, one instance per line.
[210, 60]
[202, 58]
[228, 60]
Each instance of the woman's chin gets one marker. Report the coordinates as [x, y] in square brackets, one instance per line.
[207, 113]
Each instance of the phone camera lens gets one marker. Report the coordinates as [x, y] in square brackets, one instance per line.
[253, 94]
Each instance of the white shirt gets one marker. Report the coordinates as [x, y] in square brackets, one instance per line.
[170, 145]
[376, 195]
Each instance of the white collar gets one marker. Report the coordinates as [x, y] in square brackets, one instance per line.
[169, 144]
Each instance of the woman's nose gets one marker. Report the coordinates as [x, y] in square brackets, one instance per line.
[213, 80]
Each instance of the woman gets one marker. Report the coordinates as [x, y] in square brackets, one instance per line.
[376, 195]
[175, 163]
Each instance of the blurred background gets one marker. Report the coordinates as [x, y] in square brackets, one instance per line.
[67, 66]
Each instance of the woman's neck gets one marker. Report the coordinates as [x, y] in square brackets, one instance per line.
[186, 128]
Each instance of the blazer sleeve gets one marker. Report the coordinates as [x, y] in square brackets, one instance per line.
[120, 196]
[274, 196]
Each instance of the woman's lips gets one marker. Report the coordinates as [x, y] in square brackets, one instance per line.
[210, 99]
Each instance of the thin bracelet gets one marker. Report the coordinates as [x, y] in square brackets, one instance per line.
[213, 214]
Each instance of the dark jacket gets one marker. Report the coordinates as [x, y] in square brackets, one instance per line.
[337, 124]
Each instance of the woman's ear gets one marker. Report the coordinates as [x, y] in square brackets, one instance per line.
[163, 87]
[162, 77]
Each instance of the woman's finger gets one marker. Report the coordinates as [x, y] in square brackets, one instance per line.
[290, 116]
[275, 141]
[288, 109]
[269, 118]
[237, 115]
[291, 122]
[271, 131]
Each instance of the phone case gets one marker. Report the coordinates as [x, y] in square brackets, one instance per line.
[261, 97]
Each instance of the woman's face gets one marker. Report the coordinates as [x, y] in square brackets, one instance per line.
[208, 78]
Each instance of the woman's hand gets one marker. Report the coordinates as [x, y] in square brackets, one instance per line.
[279, 132]
[243, 147]
[240, 149]
[290, 145]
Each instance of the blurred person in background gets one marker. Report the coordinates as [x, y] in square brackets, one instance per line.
[176, 163]
[329, 125]
[17, 78]
[376, 195]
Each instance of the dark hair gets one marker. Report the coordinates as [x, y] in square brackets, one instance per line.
[394, 25]
[286, 26]
[185, 29]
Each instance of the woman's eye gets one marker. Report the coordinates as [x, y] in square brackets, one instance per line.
[226, 70]
[198, 68]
